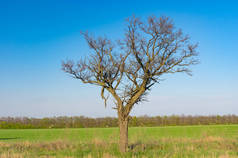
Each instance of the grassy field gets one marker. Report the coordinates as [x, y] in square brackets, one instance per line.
[172, 142]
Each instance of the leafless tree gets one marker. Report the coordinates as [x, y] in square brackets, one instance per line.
[127, 69]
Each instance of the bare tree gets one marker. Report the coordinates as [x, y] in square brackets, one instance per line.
[127, 69]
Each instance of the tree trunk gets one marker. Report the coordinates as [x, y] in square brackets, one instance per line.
[123, 126]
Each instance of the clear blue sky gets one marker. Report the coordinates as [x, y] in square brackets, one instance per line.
[35, 36]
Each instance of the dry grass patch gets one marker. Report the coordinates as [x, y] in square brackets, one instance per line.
[55, 145]
[11, 155]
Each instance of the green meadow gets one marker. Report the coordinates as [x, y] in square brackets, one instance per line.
[209, 141]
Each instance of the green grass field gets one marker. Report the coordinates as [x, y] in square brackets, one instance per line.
[174, 141]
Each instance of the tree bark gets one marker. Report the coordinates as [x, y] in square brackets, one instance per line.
[123, 126]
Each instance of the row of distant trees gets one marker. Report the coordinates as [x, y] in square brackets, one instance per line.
[86, 122]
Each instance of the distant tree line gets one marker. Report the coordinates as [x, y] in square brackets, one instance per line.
[86, 122]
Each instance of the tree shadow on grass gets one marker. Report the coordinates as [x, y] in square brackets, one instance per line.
[139, 146]
[10, 138]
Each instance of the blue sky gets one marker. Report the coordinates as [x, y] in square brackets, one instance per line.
[35, 36]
